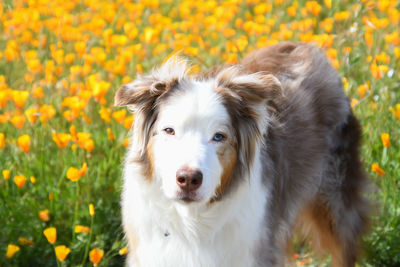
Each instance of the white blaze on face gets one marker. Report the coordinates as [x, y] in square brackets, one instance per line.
[196, 114]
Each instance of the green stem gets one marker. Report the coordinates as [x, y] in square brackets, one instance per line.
[384, 156]
[90, 239]
[76, 210]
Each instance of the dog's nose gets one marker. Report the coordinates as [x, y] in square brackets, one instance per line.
[189, 179]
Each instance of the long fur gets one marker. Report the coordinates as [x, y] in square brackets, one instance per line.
[290, 162]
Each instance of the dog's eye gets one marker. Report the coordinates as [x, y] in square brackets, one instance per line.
[169, 131]
[219, 137]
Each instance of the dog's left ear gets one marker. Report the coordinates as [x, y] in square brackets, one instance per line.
[251, 89]
[258, 88]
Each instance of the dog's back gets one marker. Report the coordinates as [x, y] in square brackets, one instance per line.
[313, 143]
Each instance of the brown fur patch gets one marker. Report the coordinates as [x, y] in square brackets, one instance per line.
[318, 223]
[245, 134]
[227, 156]
[146, 161]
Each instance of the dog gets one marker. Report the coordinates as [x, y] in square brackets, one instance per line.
[225, 166]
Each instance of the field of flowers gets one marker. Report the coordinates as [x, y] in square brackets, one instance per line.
[62, 142]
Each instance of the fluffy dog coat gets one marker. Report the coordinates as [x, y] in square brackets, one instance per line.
[266, 147]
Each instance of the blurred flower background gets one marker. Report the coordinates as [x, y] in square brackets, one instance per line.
[62, 142]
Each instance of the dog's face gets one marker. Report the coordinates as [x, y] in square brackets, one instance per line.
[193, 143]
[196, 138]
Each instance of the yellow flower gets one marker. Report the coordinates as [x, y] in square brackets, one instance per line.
[11, 250]
[354, 102]
[80, 48]
[81, 229]
[263, 8]
[105, 114]
[32, 179]
[110, 134]
[62, 252]
[378, 71]
[362, 89]
[46, 112]
[123, 251]
[396, 111]
[73, 132]
[84, 141]
[18, 121]
[61, 139]
[98, 54]
[99, 88]
[328, 3]
[126, 142]
[368, 36]
[119, 116]
[37, 92]
[32, 114]
[34, 65]
[24, 142]
[394, 15]
[74, 174]
[20, 180]
[383, 58]
[313, 7]
[69, 58]
[126, 79]
[396, 52]
[6, 174]
[2, 141]
[4, 117]
[149, 34]
[83, 170]
[3, 98]
[91, 209]
[375, 168]
[24, 241]
[51, 234]
[95, 256]
[128, 122]
[71, 115]
[385, 139]
[291, 10]
[343, 15]
[86, 118]
[345, 83]
[44, 215]
[130, 30]
[19, 98]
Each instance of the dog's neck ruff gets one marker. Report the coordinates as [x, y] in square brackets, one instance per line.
[227, 230]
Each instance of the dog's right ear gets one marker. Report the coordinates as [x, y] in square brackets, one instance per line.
[146, 89]
[141, 91]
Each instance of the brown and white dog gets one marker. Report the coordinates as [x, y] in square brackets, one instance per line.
[224, 166]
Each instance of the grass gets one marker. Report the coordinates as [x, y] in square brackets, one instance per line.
[62, 61]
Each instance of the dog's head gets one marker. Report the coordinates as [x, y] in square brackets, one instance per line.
[196, 137]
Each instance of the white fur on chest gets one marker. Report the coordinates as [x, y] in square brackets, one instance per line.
[224, 233]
